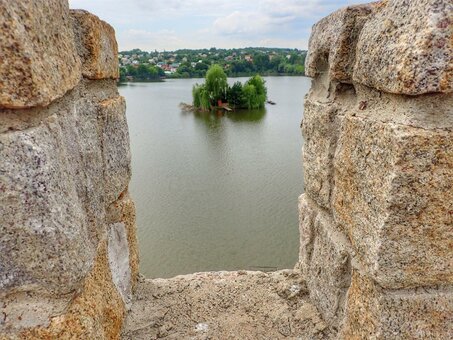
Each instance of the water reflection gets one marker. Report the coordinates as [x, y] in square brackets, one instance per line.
[213, 119]
[247, 115]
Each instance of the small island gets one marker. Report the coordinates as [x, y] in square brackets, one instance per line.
[216, 93]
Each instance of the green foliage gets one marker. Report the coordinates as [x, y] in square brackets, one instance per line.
[123, 74]
[250, 98]
[235, 95]
[201, 98]
[141, 72]
[252, 95]
[216, 83]
[260, 92]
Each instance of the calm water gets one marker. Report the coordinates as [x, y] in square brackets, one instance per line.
[215, 192]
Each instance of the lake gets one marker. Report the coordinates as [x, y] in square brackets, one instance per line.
[214, 191]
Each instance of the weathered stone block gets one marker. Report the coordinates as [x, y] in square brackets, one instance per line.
[97, 312]
[53, 198]
[394, 196]
[96, 44]
[375, 313]
[118, 256]
[320, 128]
[123, 211]
[83, 143]
[38, 58]
[44, 237]
[332, 43]
[406, 47]
[325, 260]
[116, 150]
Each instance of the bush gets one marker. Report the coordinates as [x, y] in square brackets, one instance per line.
[235, 96]
[201, 97]
[259, 96]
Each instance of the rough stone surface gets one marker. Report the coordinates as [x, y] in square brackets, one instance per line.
[225, 305]
[96, 45]
[97, 312]
[38, 202]
[374, 313]
[332, 43]
[116, 149]
[123, 211]
[378, 171]
[29, 309]
[325, 106]
[407, 47]
[57, 179]
[118, 255]
[393, 193]
[68, 248]
[325, 260]
[321, 120]
[38, 58]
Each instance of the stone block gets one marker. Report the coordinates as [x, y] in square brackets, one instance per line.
[38, 57]
[52, 198]
[320, 128]
[325, 260]
[332, 43]
[123, 211]
[27, 309]
[97, 312]
[394, 197]
[118, 257]
[116, 150]
[44, 235]
[406, 47]
[375, 313]
[97, 46]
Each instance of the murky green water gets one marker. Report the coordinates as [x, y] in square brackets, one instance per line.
[215, 192]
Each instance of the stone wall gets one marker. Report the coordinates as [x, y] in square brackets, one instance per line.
[68, 249]
[376, 219]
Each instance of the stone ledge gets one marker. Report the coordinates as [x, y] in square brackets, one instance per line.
[225, 305]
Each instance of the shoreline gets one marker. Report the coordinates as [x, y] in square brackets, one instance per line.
[162, 80]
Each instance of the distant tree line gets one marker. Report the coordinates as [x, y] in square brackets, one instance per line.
[195, 63]
[141, 72]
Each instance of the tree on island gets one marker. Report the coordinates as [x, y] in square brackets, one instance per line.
[216, 91]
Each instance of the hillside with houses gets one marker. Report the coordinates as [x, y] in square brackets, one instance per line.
[137, 65]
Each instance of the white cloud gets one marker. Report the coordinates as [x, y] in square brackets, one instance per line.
[173, 24]
[150, 40]
[242, 23]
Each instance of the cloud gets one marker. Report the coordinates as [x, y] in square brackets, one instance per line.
[174, 24]
[150, 40]
[246, 23]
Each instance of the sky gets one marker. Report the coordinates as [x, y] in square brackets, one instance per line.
[167, 25]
